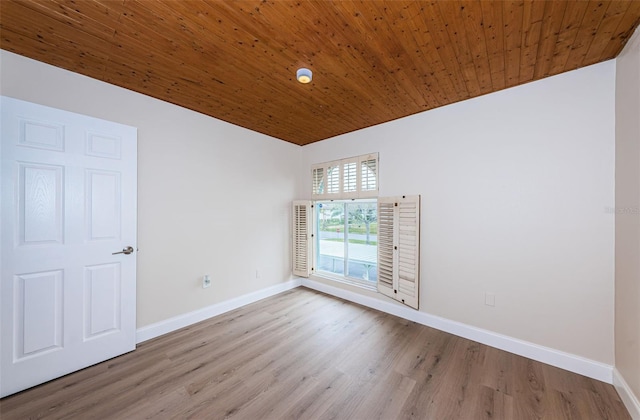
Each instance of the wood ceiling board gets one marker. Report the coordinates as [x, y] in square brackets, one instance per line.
[590, 23]
[438, 30]
[493, 31]
[228, 85]
[427, 58]
[606, 30]
[533, 15]
[473, 21]
[373, 61]
[87, 16]
[397, 61]
[513, 12]
[59, 50]
[570, 27]
[623, 32]
[252, 74]
[552, 21]
[455, 29]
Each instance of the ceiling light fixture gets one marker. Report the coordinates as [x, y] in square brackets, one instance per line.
[304, 75]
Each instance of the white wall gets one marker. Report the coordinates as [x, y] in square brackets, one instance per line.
[627, 246]
[212, 197]
[515, 187]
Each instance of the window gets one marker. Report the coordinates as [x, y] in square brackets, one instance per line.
[348, 234]
[346, 240]
[355, 177]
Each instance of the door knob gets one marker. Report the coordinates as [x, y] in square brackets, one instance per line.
[128, 250]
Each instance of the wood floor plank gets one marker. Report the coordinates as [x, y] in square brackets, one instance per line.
[387, 397]
[305, 355]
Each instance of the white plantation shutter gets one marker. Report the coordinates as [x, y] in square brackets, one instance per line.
[385, 247]
[317, 176]
[399, 248]
[302, 244]
[408, 250]
[355, 177]
[349, 177]
[333, 180]
[368, 175]
[368, 170]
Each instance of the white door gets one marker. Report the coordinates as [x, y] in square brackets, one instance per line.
[68, 202]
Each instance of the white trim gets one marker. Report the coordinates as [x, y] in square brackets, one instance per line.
[351, 281]
[163, 327]
[626, 395]
[567, 361]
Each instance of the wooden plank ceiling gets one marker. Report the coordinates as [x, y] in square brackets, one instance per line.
[372, 61]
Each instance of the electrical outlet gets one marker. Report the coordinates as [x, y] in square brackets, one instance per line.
[490, 299]
[206, 281]
[258, 274]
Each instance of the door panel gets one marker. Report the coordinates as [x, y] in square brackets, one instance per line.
[38, 310]
[68, 202]
[102, 300]
[103, 204]
[40, 204]
[41, 135]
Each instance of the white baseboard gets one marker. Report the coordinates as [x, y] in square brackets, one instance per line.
[626, 395]
[163, 327]
[567, 361]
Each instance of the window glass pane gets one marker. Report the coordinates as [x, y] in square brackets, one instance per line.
[347, 239]
[362, 240]
[331, 235]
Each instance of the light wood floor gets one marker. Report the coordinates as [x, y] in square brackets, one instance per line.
[305, 355]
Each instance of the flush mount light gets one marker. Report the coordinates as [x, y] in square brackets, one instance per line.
[304, 75]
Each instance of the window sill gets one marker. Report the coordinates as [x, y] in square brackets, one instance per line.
[345, 280]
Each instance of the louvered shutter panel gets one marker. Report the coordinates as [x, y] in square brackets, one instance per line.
[350, 178]
[317, 176]
[385, 246]
[302, 238]
[399, 248]
[333, 180]
[369, 175]
[408, 227]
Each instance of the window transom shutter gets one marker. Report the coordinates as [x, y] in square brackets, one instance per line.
[369, 174]
[399, 248]
[355, 177]
[302, 238]
[317, 175]
[333, 180]
[350, 178]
